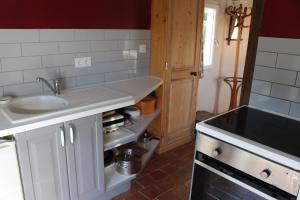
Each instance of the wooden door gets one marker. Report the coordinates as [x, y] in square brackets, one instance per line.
[185, 20]
[43, 164]
[85, 158]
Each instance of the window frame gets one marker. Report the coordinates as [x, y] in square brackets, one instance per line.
[213, 49]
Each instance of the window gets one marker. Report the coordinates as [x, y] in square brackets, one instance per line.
[209, 35]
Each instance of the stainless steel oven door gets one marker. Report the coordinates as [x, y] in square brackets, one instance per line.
[213, 180]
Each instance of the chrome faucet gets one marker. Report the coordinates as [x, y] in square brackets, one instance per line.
[56, 84]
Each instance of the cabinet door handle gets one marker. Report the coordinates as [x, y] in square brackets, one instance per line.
[62, 136]
[71, 134]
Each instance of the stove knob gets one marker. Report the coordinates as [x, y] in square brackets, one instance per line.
[216, 152]
[266, 173]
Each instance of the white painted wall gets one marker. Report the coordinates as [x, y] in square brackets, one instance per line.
[208, 85]
[213, 93]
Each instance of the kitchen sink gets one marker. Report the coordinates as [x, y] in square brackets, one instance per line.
[37, 104]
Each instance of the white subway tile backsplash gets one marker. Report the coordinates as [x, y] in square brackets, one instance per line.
[71, 71]
[298, 80]
[10, 50]
[139, 72]
[285, 92]
[104, 45]
[21, 63]
[89, 34]
[139, 34]
[295, 110]
[47, 73]
[142, 63]
[261, 87]
[74, 47]
[34, 49]
[130, 44]
[120, 75]
[68, 83]
[55, 35]
[279, 45]
[58, 60]
[266, 59]
[19, 35]
[115, 66]
[116, 34]
[89, 79]
[270, 103]
[10, 78]
[28, 53]
[275, 75]
[284, 79]
[290, 62]
[107, 56]
[23, 89]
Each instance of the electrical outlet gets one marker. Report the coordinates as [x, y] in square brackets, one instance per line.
[83, 62]
[142, 48]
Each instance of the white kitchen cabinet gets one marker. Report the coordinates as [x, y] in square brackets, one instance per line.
[63, 161]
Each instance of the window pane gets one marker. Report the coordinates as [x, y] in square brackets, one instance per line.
[208, 35]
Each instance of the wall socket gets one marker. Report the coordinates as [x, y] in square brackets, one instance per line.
[142, 48]
[83, 62]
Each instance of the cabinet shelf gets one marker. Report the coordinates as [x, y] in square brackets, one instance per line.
[114, 179]
[129, 133]
[151, 146]
[118, 138]
[140, 125]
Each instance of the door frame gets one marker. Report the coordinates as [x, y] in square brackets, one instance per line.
[254, 33]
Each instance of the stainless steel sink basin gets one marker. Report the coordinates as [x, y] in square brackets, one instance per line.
[37, 104]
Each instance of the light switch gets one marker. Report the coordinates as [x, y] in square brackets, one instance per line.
[83, 62]
[142, 48]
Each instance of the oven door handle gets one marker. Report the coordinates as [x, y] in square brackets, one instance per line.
[238, 182]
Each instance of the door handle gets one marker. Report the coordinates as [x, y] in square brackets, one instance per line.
[193, 73]
[71, 133]
[62, 136]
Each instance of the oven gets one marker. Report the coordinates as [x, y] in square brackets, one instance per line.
[225, 172]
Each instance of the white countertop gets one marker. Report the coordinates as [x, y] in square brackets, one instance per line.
[249, 145]
[85, 102]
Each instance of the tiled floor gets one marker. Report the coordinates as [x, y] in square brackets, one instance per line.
[166, 177]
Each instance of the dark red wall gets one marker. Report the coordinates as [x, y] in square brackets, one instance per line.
[281, 19]
[114, 14]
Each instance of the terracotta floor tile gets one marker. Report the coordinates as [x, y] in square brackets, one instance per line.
[181, 191]
[151, 192]
[179, 163]
[166, 177]
[137, 196]
[166, 184]
[169, 195]
[155, 164]
[145, 181]
[135, 187]
[169, 169]
[158, 175]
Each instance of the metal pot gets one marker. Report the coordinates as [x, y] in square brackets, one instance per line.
[128, 162]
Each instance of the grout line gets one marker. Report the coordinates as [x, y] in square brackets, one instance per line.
[276, 61]
[290, 108]
[287, 100]
[295, 83]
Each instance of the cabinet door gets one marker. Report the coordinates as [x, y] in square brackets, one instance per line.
[43, 164]
[85, 158]
[185, 30]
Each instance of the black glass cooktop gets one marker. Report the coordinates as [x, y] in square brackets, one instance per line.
[269, 129]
